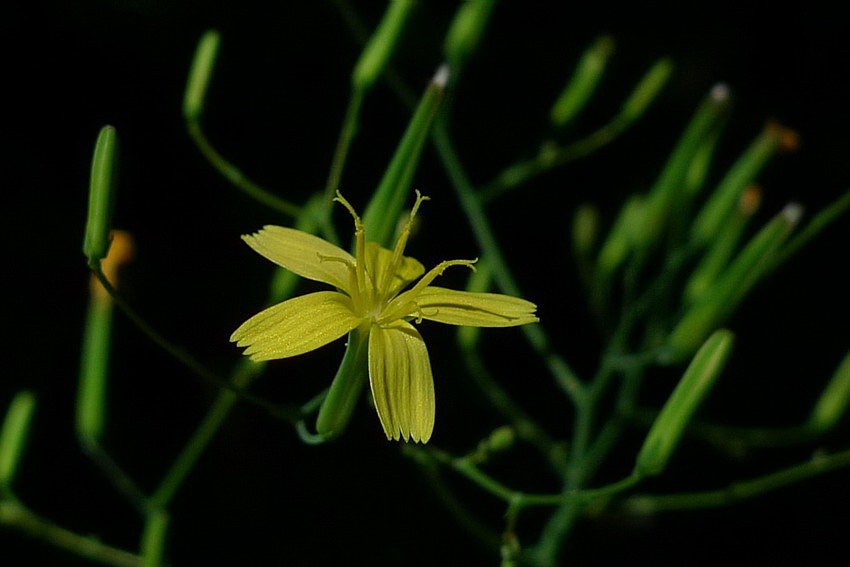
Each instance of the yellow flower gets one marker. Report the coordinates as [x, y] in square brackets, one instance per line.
[372, 298]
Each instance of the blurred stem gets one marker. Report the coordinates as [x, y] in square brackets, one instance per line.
[547, 158]
[484, 235]
[287, 412]
[199, 441]
[738, 491]
[346, 137]
[726, 437]
[819, 222]
[468, 468]
[461, 514]
[235, 175]
[119, 479]
[524, 425]
[16, 515]
[551, 155]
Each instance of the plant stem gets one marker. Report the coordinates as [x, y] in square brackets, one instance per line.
[235, 175]
[738, 491]
[346, 137]
[16, 515]
[196, 445]
[484, 235]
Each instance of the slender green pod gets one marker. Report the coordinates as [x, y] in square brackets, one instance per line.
[666, 192]
[683, 403]
[723, 201]
[815, 226]
[832, 405]
[200, 73]
[722, 247]
[13, 437]
[102, 184]
[583, 83]
[617, 247]
[646, 91]
[465, 32]
[723, 297]
[381, 46]
[383, 211]
[94, 360]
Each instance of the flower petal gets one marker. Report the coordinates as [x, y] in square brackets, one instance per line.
[296, 326]
[402, 385]
[307, 255]
[474, 309]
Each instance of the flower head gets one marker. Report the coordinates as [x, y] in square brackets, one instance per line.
[377, 295]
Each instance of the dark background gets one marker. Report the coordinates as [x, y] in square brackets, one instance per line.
[260, 497]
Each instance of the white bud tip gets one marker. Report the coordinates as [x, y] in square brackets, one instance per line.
[441, 77]
[792, 213]
[720, 92]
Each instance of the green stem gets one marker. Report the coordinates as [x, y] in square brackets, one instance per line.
[546, 159]
[738, 491]
[153, 538]
[346, 137]
[484, 235]
[461, 514]
[15, 515]
[286, 411]
[725, 437]
[119, 479]
[524, 425]
[467, 467]
[196, 445]
[235, 175]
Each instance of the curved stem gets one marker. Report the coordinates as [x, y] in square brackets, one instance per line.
[235, 175]
[286, 412]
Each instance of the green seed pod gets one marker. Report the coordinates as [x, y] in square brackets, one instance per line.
[723, 202]
[465, 31]
[385, 207]
[620, 239]
[664, 199]
[378, 51]
[833, 401]
[722, 247]
[104, 178]
[13, 436]
[583, 83]
[689, 393]
[200, 73]
[724, 295]
[646, 90]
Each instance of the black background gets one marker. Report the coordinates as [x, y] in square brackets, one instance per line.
[260, 497]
